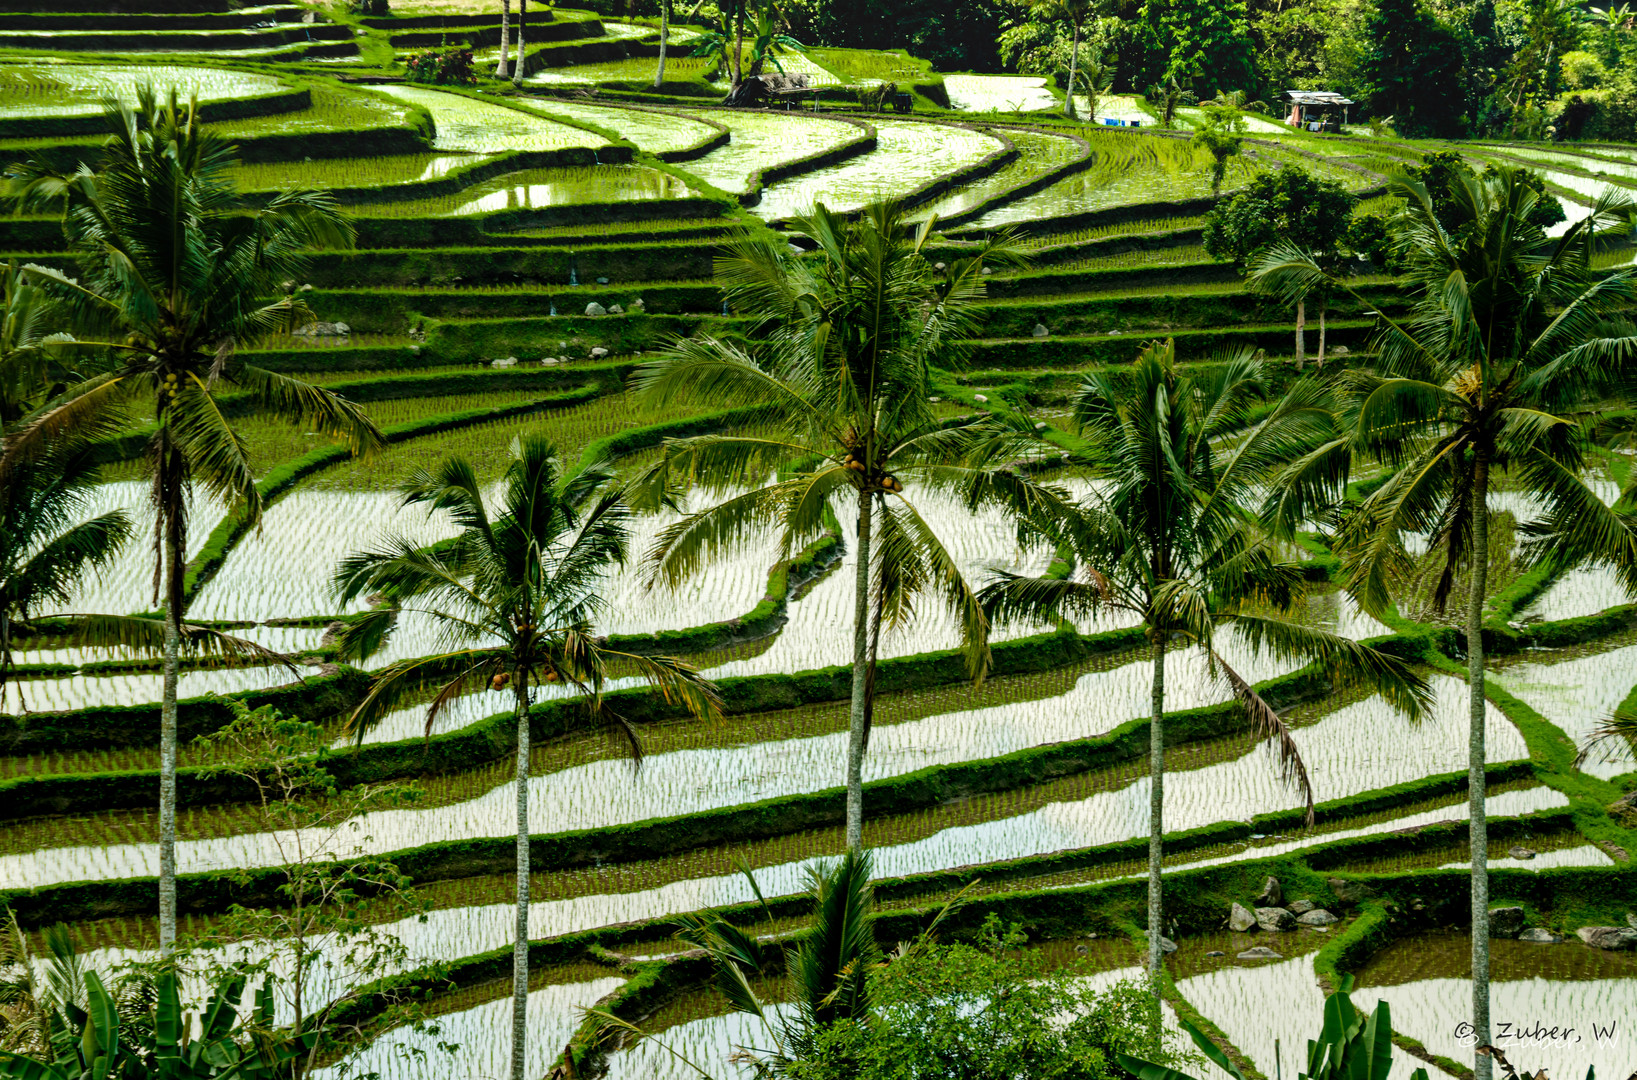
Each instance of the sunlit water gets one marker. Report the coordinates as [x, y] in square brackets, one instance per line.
[1577, 695]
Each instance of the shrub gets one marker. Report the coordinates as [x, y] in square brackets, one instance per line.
[449, 67]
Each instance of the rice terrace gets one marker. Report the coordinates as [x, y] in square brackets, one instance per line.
[818, 539]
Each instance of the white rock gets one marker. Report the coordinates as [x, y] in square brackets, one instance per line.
[595, 308]
[980, 399]
[510, 361]
[598, 353]
[615, 309]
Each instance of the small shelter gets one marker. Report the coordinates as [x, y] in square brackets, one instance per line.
[1316, 110]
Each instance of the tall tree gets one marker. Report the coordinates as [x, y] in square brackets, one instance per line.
[501, 69]
[518, 587]
[840, 377]
[1411, 70]
[175, 269]
[1288, 204]
[1075, 13]
[1511, 329]
[522, 22]
[1172, 539]
[664, 41]
[1207, 43]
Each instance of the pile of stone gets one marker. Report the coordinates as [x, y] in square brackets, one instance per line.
[1270, 913]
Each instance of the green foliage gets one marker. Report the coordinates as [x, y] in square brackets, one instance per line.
[92, 1043]
[1445, 172]
[1207, 43]
[1218, 140]
[1290, 204]
[987, 1009]
[1411, 69]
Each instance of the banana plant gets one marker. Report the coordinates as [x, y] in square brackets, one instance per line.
[91, 1043]
[1351, 1046]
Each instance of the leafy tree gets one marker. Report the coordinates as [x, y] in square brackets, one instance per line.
[769, 42]
[953, 35]
[1218, 140]
[517, 587]
[1075, 13]
[175, 271]
[1171, 538]
[840, 379]
[1207, 42]
[1289, 204]
[1510, 330]
[987, 1009]
[1412, 70]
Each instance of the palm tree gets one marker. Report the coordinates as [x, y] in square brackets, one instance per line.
[46, 548]
[514, 596]
[827, 969]
[1075, 13]
[175, 269]
[664, 41]
[1167, 98]
[502, 71]
[522, 20]
[1510, 329]
[1171, 539]
[841, 380]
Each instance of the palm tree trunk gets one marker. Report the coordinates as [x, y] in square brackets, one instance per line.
[501, 69]
[1323, 305]
[522, 18]
[169, 482]
[739, 46]
[1476, 762]
[1074, 59]
[1301, 325]
[520, 938]
[664, 38]
[1156, 816]
[861, 647]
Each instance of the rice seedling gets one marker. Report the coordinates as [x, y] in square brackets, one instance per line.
[908, 156]
[59, 89]
[481, 127]
[1130, 169]
[125, 586]
[59, 692]
[1576, 696]
[1038, 154]
[654, 132]
[762, 140]
[999, 93]
[385, 171]
[866, 65]
[334, 109]
[1134, 227]
[554, 1013]
[1425, 982]
[534, 189]
[634, 69]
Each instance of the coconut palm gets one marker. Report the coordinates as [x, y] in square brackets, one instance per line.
[502, 69]
[175, 269]
[840, 379]
[1075, 13]
[664, 41]
[46, 545]
[1170, 538]
[513, 598]
[1510, 331]
[522, 22]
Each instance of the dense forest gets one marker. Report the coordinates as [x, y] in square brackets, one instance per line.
[1535, 69]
